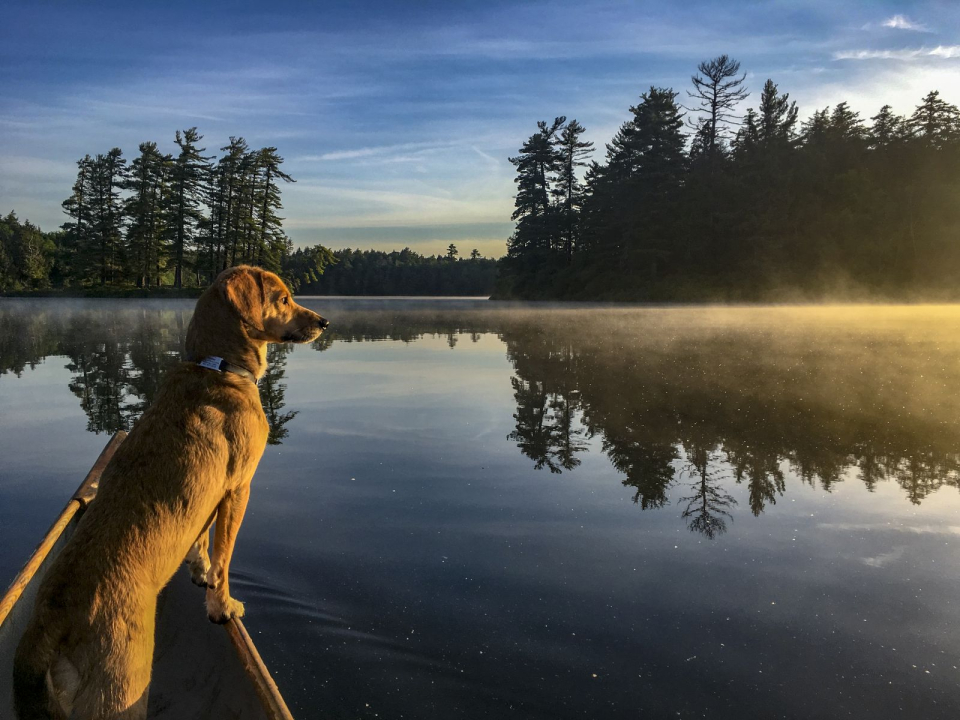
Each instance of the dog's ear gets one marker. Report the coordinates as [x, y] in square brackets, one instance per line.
[243, 290]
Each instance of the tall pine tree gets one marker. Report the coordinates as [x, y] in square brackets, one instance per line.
[189, 172]
[569, 191]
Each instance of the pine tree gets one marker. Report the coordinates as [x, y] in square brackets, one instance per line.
[700, 141]
[244, 207]
[887, 128]
[223, 198]
[936, 121]
[777, 116]
[747, 138]
[845, 124]
[718, 89]
[536, 164]
[621, 158]
[271, 241]
[627, 201]
[78, 206]
[190, 170]
[573, 154]
[101, 253]
[816, 129]
[658, 139]
[144, 208]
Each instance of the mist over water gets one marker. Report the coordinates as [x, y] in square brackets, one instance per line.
[472, 509]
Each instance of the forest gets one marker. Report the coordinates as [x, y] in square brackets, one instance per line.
[696, 199]
[174, 221]
[166, 219]
[699, 199]
[404, 272]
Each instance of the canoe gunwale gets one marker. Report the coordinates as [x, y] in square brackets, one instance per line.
[266, 689]
[81, 498]
[263, 683]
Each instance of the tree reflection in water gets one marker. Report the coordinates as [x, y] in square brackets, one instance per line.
[700, 400]
[706, 509]
[273, 392]
[687, 404]
[118, 355]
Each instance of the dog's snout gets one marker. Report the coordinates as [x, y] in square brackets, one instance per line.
[323, 323]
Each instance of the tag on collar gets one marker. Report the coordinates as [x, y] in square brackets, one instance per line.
[211, 363]
[220, 365]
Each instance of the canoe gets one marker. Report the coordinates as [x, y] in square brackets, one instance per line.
[201, 671]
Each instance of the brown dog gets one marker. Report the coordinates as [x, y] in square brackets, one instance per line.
[88, 650]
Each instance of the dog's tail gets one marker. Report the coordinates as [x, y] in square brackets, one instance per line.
[32, 699]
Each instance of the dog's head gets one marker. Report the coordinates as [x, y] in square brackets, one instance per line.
[266, 306]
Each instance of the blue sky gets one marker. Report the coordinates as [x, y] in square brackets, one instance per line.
[396, 119]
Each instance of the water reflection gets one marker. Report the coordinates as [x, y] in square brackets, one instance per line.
[685, 405]
[117, 356]
[706, 509]
[546, 429]
[698, 401]
[273, 393]
[702, 400]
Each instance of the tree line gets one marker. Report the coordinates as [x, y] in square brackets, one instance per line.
[696, 199]
[174, 219]
[405, 272]
[178, 219]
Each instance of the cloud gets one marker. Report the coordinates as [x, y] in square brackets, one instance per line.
[901, 22]
[365, 152]
[888, 527]
[884, 558]
[941, 52]
[493, 162]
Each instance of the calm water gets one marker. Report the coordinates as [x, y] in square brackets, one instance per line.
[472, 510]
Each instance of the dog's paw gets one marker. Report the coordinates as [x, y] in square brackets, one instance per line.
[198, 574]
[221, 611]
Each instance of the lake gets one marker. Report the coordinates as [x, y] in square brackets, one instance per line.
[480, 510]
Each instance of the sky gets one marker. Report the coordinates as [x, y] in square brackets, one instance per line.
[397, 119]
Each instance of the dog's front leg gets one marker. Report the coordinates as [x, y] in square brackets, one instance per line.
[220, 606]
[198, 560]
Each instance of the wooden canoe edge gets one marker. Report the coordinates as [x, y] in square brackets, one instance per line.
[267, 690]
[88, 488]
[86, 492]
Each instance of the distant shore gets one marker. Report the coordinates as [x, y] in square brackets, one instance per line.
[134, 293]
[106, 292]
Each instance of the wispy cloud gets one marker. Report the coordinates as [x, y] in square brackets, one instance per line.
[901, 22]
[889, 527]
[379, 150]
[940, 52]
[883, 559]
[492, 161]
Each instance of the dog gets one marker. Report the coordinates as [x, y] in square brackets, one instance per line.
[87, 652]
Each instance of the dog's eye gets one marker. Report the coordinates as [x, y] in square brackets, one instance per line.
[285, 300]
